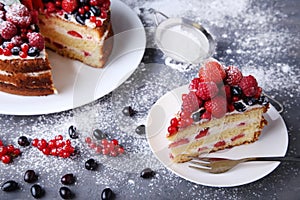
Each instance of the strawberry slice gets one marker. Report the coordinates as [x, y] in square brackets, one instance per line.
[202, 133]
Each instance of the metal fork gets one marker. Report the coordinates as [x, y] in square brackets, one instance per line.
[221, 165]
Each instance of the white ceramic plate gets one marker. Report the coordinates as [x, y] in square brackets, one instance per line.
[78, 84]
[273, 142]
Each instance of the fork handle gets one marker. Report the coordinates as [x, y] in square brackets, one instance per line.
[289, 159]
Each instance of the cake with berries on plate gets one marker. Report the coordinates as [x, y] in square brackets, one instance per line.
[24, 65]
[78, 29]
[222, 109]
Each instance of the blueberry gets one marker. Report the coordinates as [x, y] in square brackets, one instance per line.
[147, 173]
[15, 51]
[95, 10]
[87, 15]
[33, 52]
[91, 164]
[236, 91]
[30, 176]
[84, 2]
[250, 101]
[66, 16]
[239, 106]
[141, 129]
[128, 111]
[196, 116]
[23, 141]
[72, 132]
[68, 179]
[80, 18]
[66, 193]
[37, 191]
[99, 135]
[263, 100]
[10, 186]
[107, 194]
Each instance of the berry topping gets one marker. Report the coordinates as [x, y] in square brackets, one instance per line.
[207, 90]
[72, 132]
[249, 85]
[212, 71]
[33, 52]
[7, 30]
[19, 15]
[36, 40]
[234, 75]
[69, 5]
[99, 135]
[190, 103]
[16, 40]
[216, 106]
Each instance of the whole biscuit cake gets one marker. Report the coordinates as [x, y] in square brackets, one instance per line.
[222, 109]
[78, 29]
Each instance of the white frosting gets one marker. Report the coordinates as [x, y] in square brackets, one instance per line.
[32, 74]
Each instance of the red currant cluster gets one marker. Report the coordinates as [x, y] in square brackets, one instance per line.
[105, 146]
[55, 147]
[7, 153]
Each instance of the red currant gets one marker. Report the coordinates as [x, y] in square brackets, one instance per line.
[81, 10]
[59, 137]
[174, 122]
[98, 23]
[93, 19]
[115, 142]
[120, 150]
[88, 140]
[172, 130]
[6, 159]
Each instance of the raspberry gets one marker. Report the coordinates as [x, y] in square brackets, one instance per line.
[7, 30]
[69, 5]
[17, 40]
[216, 106]
[234, 75]
[207, 90]
[194, 84]
[36, 40]
[191, 103]
[212, 71]
[249, 85]
[19, 15]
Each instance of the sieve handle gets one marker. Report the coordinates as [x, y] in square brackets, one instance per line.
[156, 13]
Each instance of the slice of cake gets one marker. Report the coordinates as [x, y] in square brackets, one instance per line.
[24, 65]
[78, 29]
[222, 109]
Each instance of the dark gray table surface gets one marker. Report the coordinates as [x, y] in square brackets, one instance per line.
[261, 37]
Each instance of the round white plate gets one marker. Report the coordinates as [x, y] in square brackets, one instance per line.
[79, 84]
[272, 142]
